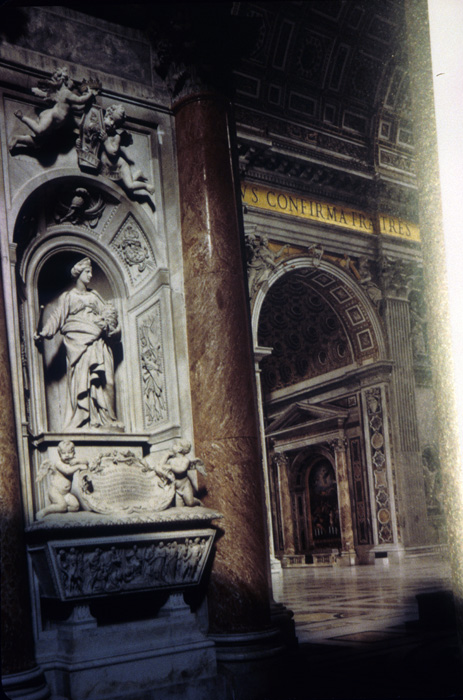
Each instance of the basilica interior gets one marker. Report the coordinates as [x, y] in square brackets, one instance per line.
[223, 461]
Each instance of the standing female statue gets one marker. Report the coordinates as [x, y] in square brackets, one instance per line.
[86, 321]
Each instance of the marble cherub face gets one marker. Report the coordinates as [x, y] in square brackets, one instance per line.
[66, 451]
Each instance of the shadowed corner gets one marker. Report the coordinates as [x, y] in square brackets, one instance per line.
[14, 22]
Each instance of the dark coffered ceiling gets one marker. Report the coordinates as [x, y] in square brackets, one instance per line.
[322, 99]
[320, 87]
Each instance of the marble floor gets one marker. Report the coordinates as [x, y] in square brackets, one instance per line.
[362, 634]
[345, 604]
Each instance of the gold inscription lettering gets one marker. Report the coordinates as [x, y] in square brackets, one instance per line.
[292, 203]
[331, 213]
[268, 198]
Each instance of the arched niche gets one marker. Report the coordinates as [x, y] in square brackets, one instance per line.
[315, 500]
[68, 219]
[54, 281]
[46, 204]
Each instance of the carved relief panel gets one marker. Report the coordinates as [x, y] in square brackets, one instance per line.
[378, 458]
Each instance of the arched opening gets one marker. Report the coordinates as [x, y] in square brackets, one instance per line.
[316, 505]
[321, 346]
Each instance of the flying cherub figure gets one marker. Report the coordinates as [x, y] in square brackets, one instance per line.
[115, 162]
[61, 473]
[62, 92]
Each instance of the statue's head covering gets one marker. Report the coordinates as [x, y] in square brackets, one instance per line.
[81, 266]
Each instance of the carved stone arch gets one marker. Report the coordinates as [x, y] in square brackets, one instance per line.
[47, 246]
[31, 200]
[308, 456]
[340, 278]
[353, 335]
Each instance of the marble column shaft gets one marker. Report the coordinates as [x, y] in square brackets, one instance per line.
[221, 363]
[17, 649]
[345, 505]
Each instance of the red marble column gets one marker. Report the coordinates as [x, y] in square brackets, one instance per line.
[17, 650]
[221, 363]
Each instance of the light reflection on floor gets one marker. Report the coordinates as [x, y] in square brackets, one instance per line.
[342, 604]
[360, 636]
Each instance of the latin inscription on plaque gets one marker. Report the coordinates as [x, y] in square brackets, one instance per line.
[121, 482]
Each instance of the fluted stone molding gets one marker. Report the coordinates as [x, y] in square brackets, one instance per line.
[20, 675]
[275, 565]
[339, 447]
[221, 362]
[398, 278]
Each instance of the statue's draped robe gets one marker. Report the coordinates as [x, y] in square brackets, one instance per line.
[90, 364]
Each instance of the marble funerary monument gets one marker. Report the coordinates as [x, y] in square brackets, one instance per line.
[198, 391]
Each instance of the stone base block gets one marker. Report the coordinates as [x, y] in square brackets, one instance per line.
[167, 657]
[383, 555]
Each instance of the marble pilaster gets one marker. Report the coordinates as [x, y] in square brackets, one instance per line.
[409, 469]
[221, 363]
[434, 257]
[20, 674]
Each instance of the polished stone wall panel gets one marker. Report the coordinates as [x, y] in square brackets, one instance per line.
[16, 641]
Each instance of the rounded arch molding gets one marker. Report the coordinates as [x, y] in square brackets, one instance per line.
[55, 189]
[347, 299]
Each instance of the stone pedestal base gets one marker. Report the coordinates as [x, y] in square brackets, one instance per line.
[28, 685]
[383, 555]
[275, 566]
[292, 560]
[167, 657]
[248, 662]
[283, 618]
[348, 558]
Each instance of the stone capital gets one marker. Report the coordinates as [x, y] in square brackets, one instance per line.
[338, 445]
[195, 49]
[397, 277]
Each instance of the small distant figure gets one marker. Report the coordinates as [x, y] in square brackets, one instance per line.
[62, 472]
[115, 162]
[65, 96]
